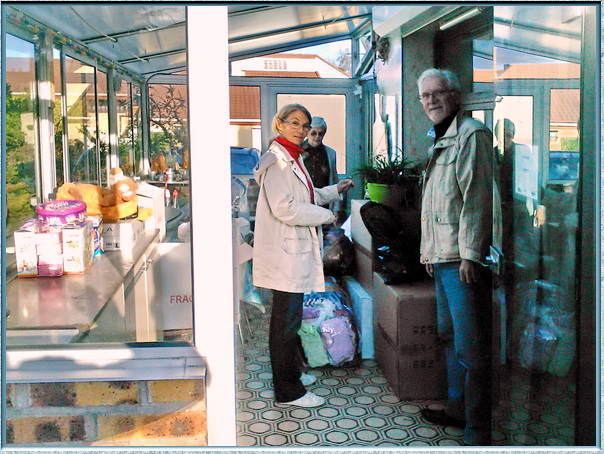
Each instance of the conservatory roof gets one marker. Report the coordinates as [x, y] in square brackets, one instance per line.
[150, 38]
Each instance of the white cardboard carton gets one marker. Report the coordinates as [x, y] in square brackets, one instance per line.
[122, 235]
[150, 196]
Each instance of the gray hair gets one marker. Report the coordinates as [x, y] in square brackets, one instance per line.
[449, 77]
[507, 125]
[318, 122]
[286, 111]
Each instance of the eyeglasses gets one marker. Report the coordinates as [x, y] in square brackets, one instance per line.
[436, 93]
[317, 133]
[296, 124]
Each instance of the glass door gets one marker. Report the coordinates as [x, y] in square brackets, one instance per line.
[537, 67]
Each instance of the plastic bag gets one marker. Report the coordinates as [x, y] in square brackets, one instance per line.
[250, 293]
[338, 340]
[312, 344]
[537, 345]
[396, 234]
[338, 253]
[563, 325]
[397, 266]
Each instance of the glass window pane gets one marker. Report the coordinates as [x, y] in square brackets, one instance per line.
[81, 121]
[245, 117]
[537, 82]
[331, 60]
[168, 113]
[21, 142]
[333, 109]
[137, 131]
[58, 116]
[123, 94]
[564, 148]
[103, 117]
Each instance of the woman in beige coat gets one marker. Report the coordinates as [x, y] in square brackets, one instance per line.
[287, 246]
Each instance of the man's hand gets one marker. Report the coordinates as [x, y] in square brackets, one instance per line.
[430, 269]
[468, 271]
[345, 185]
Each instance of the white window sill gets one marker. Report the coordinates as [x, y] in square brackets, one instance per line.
[105, 364]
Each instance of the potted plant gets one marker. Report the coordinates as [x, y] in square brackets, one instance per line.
[390, 181]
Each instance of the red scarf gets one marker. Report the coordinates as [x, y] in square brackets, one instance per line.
[295, 151]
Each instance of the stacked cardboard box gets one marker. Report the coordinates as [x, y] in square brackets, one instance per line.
[363, 245]
[406, 344]
[78, 246]
[39, 249]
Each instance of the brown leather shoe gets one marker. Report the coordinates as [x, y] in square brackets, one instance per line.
[441, 418]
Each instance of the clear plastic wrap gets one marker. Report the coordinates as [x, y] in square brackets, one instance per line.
[328, 313]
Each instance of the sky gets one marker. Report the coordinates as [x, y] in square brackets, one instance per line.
[327, 51]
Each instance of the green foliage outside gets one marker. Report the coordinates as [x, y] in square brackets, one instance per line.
[168, 116]
[20, 174]
[569, 144]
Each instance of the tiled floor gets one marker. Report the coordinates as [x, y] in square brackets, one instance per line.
[361, 409]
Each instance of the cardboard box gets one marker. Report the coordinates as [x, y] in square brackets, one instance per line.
[406, 312]
[26, 253]
[359, 233]
[363, 245]
[362, 307]
[415, 374]
[363, 267]
[78, 246]
[38, 244]
[150, 196]
[407, 348]
[49, 249]
[122, 235]
[51, 269]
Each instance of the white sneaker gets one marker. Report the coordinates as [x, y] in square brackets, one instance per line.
[308, 379]
[307, 400]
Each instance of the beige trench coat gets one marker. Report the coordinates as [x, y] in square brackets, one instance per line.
[287, 233]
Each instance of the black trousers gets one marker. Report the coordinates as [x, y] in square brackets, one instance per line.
[284, 345]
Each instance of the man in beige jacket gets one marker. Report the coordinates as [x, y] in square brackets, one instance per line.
[457, 226]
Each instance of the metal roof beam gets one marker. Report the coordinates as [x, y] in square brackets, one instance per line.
[284, 48]
[151, 56]
[257, 9]
[295, 28]
[115, 36]
[576, 36]
[166, 71]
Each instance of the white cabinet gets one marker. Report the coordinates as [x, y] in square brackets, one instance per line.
[143, 311]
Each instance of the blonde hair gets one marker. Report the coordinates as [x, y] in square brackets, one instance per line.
[286, 111]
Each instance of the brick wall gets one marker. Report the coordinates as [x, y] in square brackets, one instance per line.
[107, 413]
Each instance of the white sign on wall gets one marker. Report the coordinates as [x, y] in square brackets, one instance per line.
[526, 171]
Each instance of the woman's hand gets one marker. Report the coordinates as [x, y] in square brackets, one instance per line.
[345, 185]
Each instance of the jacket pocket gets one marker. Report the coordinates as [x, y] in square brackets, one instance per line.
[446, 157]
[447, 235]
[297, 245]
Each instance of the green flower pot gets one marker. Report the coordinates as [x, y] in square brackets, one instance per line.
[390, 195]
